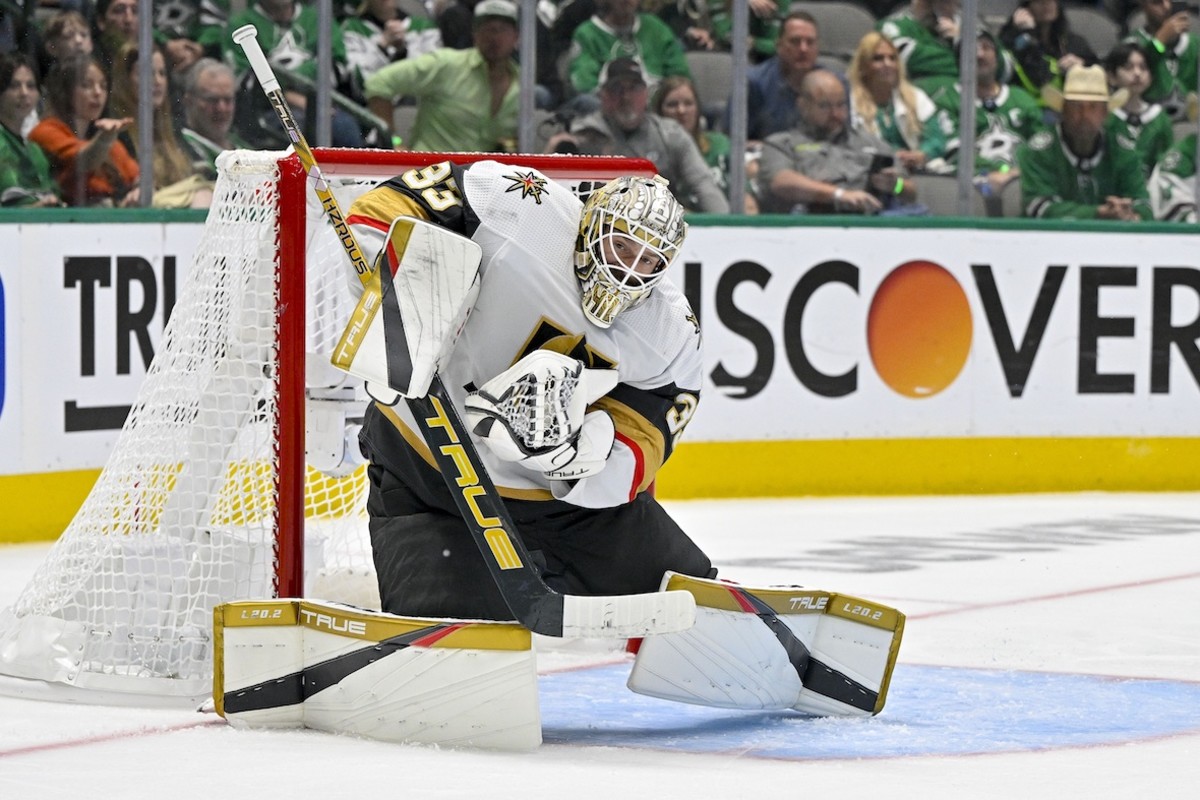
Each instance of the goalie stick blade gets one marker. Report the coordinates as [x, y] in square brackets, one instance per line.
[628, 616]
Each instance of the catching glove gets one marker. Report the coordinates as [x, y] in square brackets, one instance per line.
[535, 414]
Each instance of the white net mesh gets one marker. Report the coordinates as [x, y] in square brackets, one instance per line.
[183, 515]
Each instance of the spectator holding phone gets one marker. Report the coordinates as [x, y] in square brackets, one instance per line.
[825, 166]
[1043, 45]
[1171, 52]
[886, 104]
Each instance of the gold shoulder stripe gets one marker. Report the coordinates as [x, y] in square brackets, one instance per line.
[634, 426]
[387, 205]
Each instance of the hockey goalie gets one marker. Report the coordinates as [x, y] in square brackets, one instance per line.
[577, 368]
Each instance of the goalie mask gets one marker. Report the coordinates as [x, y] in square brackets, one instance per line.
[630, 232]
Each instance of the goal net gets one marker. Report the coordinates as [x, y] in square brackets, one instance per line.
[237, 473]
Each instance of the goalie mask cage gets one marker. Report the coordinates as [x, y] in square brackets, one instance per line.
[228, 474]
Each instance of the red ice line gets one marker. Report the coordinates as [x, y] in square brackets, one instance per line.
[107, 737]
[1057, 596]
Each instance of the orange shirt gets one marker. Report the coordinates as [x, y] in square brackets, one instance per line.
[112, 179]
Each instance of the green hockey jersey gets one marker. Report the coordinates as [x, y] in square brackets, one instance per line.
[1055, 183]
[1173, 183]
[1002, 124]
[930, 60]
[1150, 132]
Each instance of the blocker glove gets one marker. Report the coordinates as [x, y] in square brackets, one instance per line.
[535, 414]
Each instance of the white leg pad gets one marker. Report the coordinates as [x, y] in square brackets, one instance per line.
[775, 648]
[297, 663]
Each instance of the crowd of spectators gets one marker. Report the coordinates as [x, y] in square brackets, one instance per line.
[855, 132]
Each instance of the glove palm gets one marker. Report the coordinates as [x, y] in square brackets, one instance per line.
[535, 414]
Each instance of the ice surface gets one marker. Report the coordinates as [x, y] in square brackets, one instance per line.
[1052, 651]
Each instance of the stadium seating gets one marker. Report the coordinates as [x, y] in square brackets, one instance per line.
[940, 194]
[1010, 200]
[712, 72]
[840, 24]
[1095, 25]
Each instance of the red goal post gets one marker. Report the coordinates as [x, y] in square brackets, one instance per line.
[229, 474]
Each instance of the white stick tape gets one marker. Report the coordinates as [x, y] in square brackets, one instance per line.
[247, 38]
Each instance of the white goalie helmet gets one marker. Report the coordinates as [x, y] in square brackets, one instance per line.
[630, 233]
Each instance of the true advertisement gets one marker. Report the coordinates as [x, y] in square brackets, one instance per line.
[84, 311]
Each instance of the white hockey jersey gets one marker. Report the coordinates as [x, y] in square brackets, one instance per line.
[527, 227]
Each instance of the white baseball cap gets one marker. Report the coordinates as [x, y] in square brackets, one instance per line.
[500, 9]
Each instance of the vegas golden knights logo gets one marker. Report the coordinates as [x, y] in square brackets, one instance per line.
[549, 335]
[529, 184]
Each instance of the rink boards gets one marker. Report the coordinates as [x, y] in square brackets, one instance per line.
[873, 358]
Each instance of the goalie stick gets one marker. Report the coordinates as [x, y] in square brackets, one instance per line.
[534, 604]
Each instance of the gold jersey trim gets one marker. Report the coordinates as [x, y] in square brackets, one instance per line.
[387, 206]
[632, 425]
